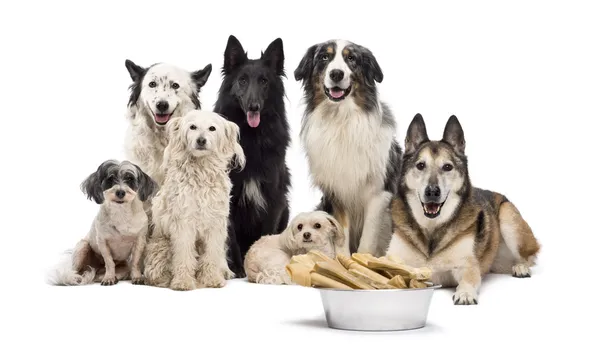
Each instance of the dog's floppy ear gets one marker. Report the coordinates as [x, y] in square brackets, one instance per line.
[232, 134]
[304, 69]
[287, 241]
[371, 67]
[416, 134]
[135, 71]
[454, 135]
[148, 186]
[201, 76]
[274, 57]
[92, 185]
[339, 237]
[234, 55]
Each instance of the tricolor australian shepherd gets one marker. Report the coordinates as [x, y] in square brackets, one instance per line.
[349, 138]
[252, 96]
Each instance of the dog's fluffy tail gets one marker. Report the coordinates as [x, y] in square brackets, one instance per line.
[63, 273]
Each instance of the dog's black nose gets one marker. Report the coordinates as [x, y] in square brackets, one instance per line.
[306, 235]
[253, 108]
[336, 75]
[120, 193]
[201, 141]
[433, 192]
[162, 106]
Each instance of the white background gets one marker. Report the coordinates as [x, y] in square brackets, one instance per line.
[523, 77]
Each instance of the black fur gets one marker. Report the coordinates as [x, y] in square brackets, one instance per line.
[259, 82]
[111, 173]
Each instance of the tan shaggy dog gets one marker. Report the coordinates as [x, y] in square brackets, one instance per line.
[190, 212]
[266, 259]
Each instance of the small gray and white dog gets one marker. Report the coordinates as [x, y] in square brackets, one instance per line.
[112, 249]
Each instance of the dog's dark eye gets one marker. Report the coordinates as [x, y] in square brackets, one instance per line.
[212, 128]
[299, 226]
[242, 81]
[175, 85]
[447, 167]
[420, 166]
[263, 80]
[152, 84]
[324, 56]
[318, 226]
[350, 58]
[193, 127]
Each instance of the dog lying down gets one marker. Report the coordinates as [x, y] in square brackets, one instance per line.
[113, 248]
[317, 230]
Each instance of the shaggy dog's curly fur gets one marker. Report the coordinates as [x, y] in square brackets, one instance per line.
[266, 260]
[190, 212]
[159, 94]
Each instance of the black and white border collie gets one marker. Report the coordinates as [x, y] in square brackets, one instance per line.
[252, 96]
[349, 138]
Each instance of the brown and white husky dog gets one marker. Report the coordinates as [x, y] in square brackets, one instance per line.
[441, 221]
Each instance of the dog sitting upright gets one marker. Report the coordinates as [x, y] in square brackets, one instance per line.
[317, 230]
[442, 222]
[159, 93]
[113, 248]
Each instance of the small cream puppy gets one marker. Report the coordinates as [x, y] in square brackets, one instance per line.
[316, 230]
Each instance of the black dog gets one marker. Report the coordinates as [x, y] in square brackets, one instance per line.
[252, 96]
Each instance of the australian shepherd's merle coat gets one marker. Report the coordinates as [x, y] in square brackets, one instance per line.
[349, 138]
[252, 96]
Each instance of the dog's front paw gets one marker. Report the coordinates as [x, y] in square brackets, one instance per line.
[109, 280]
[211, 277]
[465, 297]
[138, 280]
[183, 284]
[228, 274]
[521, 271]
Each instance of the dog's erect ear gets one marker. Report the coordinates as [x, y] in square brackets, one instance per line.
[201, 76]
[135, 71]
[305, 68]
[371, 67]
[339, 237]
[232, 134]
[234, 55]
[92, 185]
[454, 135]
[148, 186]
[416, 134]
[274, 56]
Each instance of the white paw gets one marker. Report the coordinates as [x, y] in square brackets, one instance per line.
[464, 297]
[521, 271]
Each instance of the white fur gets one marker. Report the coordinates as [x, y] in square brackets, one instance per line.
[192, 207]
[266, 259]
[145, 139]
[252, 193]
[338, 63]
[347, 152]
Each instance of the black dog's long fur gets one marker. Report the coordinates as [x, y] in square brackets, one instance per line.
[249, 83]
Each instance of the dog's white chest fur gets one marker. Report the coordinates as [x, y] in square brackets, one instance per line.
[347, 149]
[145, 147]
[253, 194]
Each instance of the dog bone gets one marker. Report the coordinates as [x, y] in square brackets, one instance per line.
[373, 283]
[304, 276]
[304, 260]
[338, 273]
[350, 264]
[421, 274]
[398, 282]
[393, 258]
[417, 284]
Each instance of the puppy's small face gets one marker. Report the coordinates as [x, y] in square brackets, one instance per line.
[313, 230]
[118, 183]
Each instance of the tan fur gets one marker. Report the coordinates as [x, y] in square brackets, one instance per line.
[190, 213]
[266, 259]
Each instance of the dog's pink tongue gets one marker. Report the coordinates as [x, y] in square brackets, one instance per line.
[336, 93]
[162, 118]
[253, 118]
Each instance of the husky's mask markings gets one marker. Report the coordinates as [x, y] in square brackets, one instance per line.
[349, 138]
[441, 221]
